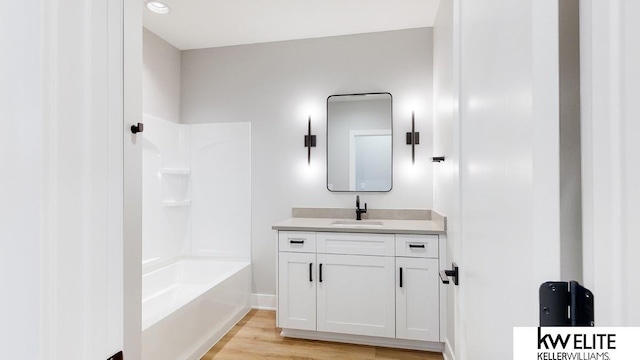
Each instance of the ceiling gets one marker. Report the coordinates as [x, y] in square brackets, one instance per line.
[196, 24]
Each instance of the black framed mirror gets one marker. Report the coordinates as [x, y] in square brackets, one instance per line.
[360, 142]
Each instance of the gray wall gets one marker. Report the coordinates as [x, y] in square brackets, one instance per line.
[276, 86]
[160, 78]
[570, 169]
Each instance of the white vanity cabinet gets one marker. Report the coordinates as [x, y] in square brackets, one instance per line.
[355, 293]
[417, 295]
[383, 286]
[297, 280]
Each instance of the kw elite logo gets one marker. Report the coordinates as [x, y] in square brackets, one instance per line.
[576, 346]
[576, 343]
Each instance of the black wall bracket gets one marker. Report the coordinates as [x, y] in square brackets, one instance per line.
[452, 274]
[565, 304]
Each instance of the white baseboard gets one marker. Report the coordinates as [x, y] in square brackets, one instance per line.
[448, 353]
[364, 340]
[263, 302]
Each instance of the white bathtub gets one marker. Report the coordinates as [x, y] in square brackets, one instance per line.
[187, 306]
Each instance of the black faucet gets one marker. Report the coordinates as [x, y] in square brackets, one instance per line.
[359, 211]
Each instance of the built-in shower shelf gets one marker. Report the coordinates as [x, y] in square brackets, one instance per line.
[181, 172]
[169, 203]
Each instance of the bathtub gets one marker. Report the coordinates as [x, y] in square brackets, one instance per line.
[188, 305]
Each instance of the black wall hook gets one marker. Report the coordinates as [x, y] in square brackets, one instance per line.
[445, 275]
[137, 128]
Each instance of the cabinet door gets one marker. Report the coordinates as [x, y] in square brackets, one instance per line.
[297, 291]
[356, 294]
[417, 299]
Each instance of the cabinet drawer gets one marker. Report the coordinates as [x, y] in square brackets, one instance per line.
[417, 246]
[292, 241]
[356, 244]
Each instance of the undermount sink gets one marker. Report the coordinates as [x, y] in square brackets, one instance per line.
[357, 223]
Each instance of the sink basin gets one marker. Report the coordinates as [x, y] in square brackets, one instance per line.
[356, 223]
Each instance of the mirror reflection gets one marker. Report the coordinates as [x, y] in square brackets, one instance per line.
[359, 142]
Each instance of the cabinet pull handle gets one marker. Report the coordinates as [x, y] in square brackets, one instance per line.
[296, 241]
[421, 246]
[310, 272]
[400, 277]
[320, 279]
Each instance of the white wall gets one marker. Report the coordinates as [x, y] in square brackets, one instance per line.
[132, 178]
[446, 196]
[21, 157]
[276, 86]
[161, 78]
[217, 178]
[610, 87]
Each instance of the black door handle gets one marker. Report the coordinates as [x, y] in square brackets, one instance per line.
[400, 277]
[137, 128]
[296, 241]
[310, 272]
[320, 275]
[421, 246]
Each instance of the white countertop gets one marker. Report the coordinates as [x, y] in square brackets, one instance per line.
[363, 226]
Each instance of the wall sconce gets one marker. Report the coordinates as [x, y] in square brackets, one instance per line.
[413, 138]
[309, 141]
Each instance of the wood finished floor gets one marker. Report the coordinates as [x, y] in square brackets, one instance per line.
[256, 337]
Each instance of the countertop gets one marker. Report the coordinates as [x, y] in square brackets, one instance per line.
[420, 227]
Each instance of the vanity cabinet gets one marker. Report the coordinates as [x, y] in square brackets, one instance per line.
[417, 295]
[354, 296]
[297, 280]
[381, 285]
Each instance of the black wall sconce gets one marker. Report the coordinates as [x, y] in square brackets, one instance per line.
[309, 141]
[413, 138]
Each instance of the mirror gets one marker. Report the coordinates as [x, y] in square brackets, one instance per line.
[359, 142]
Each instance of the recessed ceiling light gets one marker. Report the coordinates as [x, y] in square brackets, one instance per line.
[158, 7]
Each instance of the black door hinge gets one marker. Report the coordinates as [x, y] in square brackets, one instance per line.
[117, 356]
[565, 304]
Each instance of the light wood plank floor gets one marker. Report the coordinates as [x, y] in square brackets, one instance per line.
[256, 337]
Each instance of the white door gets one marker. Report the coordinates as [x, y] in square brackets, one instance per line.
[356, 294]
[505, 224]
[370, 160]
[296, 291]
[417, 299]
